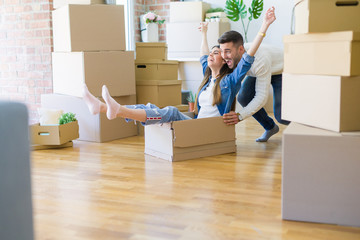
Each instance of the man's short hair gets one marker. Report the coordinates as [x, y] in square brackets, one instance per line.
[231, 36]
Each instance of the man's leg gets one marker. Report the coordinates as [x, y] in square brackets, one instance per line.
[276, 82]
[246, 94]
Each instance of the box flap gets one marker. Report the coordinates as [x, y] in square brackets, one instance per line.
[323, 37]
[202, 131]
[151, 44]
[155, 61]
[158, 82]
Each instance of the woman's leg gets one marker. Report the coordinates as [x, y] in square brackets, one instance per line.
[94, 104]
[147, 114]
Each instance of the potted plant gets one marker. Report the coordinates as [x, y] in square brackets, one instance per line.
[151, 32]
[215, 12]
[236, 10]
[191, 101]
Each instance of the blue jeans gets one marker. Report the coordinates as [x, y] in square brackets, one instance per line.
[247, 93]
[155, 115]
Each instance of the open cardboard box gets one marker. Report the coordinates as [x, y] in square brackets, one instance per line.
[188, 139]
[54, 135]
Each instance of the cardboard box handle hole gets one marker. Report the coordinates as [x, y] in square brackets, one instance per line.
[346, 3]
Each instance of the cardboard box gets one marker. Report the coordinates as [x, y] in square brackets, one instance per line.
[182, 107]
[156, 70]
[320, 176]
[115, 69]
[187, 44]
[93, 128]
[161, 93]
[188, 11]
[151, 51]
[60, 3]
[328, 102]
[54, 135]
[189, 139]
[313, 16]
[336, 53]
[97, 27]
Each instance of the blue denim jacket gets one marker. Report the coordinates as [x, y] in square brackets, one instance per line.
[230, 84]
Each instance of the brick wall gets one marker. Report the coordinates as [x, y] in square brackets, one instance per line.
[161, 7]
[25, 51]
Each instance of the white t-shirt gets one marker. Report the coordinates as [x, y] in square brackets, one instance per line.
[269, 60]
[206, 98]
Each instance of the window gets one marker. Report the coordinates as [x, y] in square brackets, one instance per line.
[129, 23]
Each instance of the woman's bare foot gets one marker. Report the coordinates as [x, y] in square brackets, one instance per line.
[94, 104]
[113, 108]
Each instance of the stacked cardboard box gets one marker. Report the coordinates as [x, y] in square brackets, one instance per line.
[182, 32]
[91, 50]
[321, 92]
[156, 77]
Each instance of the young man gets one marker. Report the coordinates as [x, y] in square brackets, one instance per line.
[266, 70]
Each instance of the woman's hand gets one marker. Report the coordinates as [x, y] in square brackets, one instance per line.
[269, 16]
[203, 27]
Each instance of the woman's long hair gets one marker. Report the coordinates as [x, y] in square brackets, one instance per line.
[225, 70]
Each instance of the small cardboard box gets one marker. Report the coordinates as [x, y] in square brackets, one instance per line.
[313, 16]
[115, 69]
[60, 3]
[93, 128]
[156, 70]
[161, 93]
[54, 135]
[151, 51]
[183, 46]
[328, 102]
[188, 11]
[336, 53]
[320, 176]
[188, 139]
[98, 27]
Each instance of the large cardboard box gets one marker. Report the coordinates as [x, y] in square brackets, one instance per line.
[156, 70]
[115, 69]
[328, 102]
[187, 44]
[188, 11]
[161, 93]
[54, 135]
[93, 128]
[313, 16]
[151, 51]
[60, 3]
[189, 139]
[336, 53]
[320, 176]
[98, 27]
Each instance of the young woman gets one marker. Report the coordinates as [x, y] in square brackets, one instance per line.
[215, 96]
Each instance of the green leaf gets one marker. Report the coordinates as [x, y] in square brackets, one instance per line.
[66, 118]
[257, 7]
[235, 10]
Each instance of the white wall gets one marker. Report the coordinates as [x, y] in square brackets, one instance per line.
[281, 27]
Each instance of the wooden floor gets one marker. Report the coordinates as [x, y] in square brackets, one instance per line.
[112, 191]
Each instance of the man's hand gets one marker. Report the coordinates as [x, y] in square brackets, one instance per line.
[231, 118]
